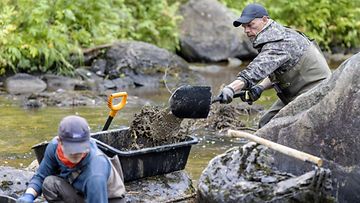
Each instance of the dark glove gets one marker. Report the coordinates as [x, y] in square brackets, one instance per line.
[26, 198]
[226, 95]
[255, 92]
[252, 94]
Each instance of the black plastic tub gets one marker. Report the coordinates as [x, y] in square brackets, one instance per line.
[145, 162]
[39, 150]
[137, 164]
[7, 199]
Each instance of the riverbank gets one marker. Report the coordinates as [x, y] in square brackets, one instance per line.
[29, 123]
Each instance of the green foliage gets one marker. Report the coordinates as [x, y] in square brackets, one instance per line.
[41, 35]
[154, 21]
[331, 23]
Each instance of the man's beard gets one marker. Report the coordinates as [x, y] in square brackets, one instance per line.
[252, 39]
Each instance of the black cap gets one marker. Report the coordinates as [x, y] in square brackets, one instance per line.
[249, 13]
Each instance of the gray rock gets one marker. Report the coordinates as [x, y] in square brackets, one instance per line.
[244, 174]
[325, 122]
[13, 181]
[144, 57]
[63, 98]
[99, 67]
[171, 187]
[23, 83]
[91, 81]
[145, 64]
[109, 84]
[207, 33]
[122, 83]
[57, 82]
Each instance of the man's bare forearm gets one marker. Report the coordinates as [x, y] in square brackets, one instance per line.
[266, 83]
[237, 85]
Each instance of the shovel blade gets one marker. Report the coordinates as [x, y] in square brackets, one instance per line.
[191, 101]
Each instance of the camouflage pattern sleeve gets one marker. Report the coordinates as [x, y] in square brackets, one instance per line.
[266, 62]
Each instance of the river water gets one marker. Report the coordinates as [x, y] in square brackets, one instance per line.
[22, 128]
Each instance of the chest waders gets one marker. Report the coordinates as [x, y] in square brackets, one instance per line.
[306, 74]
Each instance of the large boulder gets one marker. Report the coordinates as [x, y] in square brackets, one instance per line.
[244, 174]
[23, 83]
[207, 33]
[142, 63]
[324, 122]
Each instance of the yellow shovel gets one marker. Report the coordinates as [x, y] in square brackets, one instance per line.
[114, 108]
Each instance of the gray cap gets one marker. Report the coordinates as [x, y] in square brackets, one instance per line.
[249, 13]
[74, 133]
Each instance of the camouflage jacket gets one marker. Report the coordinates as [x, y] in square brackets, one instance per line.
[280, 49]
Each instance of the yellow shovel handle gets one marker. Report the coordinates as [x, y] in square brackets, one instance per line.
[115, 108]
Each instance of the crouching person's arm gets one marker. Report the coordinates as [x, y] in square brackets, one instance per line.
[28, 197]
[46, 168]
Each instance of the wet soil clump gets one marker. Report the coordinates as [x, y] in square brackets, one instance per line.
[223, 117]
[155, 126]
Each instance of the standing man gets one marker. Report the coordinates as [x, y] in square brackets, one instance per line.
[74, 169]
[287, 61]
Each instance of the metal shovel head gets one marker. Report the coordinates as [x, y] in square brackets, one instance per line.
[191, 101]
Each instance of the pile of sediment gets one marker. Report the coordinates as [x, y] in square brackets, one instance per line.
[155, 126]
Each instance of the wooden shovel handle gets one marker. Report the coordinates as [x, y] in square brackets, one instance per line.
[278, 147]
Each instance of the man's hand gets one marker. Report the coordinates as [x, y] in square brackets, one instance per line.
[255, 92]
[226, 95]
[251, 95]
[26, 198]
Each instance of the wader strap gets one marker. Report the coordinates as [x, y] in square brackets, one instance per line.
[115, 183]
[280, 93]
[73, 175]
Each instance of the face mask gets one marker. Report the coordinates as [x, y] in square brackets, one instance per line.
[75, 158]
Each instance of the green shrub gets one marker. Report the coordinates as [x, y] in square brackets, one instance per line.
[40, 35]
[154, 21]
